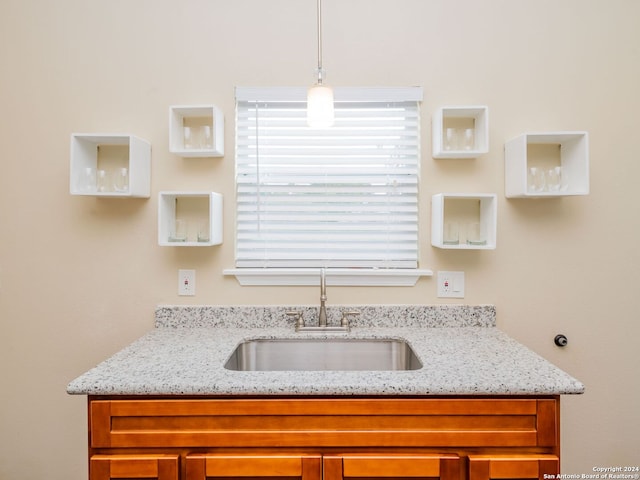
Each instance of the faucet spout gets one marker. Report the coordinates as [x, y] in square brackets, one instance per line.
[322, 315]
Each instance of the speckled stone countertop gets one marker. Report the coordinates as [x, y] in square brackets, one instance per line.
[461, 350]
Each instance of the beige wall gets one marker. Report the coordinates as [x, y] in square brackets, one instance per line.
[80, 277]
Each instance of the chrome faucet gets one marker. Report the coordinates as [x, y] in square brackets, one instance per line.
[322, 314]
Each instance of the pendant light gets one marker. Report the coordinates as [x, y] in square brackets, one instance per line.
[320, 96]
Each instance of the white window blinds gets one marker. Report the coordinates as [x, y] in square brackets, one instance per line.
[346, 196]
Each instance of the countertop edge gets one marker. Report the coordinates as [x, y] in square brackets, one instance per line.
[463, 361]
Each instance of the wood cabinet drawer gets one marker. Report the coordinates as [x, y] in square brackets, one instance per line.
[502, 467]
[327, 467]
[331, 422]
[274, 466]
[150, 466]
[391, 466]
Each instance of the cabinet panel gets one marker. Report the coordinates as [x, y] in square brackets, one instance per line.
[302, 467]
[548, 421]
[292, 438]
[323, 423]
[496, 467]
[444, 467]
[159, 467]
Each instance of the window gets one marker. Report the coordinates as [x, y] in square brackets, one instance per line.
[346, 196]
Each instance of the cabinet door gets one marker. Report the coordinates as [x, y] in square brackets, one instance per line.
[108, 467]
[485, 467]
[444, 467]
[302, 467]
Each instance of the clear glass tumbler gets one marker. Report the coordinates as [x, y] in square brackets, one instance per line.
[121, 180]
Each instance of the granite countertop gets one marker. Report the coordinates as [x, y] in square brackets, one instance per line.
[461, 350]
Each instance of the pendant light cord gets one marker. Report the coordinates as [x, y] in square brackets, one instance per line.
[319, 42]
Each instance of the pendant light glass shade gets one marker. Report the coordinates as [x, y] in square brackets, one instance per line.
[319, 96]
[320, 106]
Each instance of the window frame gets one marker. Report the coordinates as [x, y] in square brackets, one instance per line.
[288, 275]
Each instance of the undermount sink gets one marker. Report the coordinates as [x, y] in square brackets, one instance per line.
[316, 354]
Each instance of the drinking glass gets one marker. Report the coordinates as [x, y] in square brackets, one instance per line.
[180, 231]
[468, 138]
[475, 235]
[87, 180]
[451, 233]
[554, 179]
[450, 139]
[203, 232]
[121, 180]
[207, 139]
[188, 141]
[101, 180]
[536, 179]
[564, 179]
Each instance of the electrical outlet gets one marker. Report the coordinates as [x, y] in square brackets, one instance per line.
[186, 282]
[450, 284]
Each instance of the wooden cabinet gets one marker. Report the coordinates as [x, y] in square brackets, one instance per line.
[485, 467]
[343, 467]
[159, 467]
[327, 467]
[267, 466]
[334, 438]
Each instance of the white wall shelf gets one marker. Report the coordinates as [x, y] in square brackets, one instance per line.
[460, 132]
[110, 165]
[189, 219]
[196, 131]
[548, 164]
[474, 217]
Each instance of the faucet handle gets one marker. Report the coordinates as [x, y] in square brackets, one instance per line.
[297, 317]
[344, 322]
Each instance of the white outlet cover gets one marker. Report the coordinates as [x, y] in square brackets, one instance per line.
[450, 284]
[186, 282]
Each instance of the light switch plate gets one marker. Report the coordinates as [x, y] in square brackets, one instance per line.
[450, 284]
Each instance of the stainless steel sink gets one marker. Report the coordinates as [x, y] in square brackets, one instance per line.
[323, 355]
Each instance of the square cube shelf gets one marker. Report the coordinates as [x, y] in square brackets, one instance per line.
[460, 132]
[189, 219]
[196, 131]
[110, 165]
[464, 221]
[549, 164]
